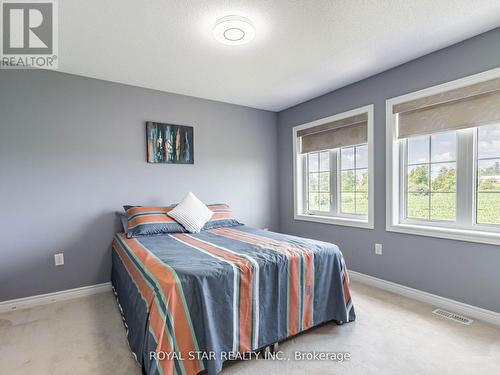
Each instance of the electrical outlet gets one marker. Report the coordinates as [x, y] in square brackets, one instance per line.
[378, 248]
[59, 259]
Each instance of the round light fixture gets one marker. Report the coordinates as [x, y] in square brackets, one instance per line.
[234, 30]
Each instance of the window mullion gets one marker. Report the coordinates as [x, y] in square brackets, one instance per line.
[429, 173]
[465, 178]
[354, 149]
[333, 182]
[305, 182]
[338, 183]
[403, 153]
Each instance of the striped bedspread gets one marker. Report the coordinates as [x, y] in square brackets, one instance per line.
[192, 301]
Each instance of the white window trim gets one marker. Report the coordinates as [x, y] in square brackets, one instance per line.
[298, 183]
[393, 222]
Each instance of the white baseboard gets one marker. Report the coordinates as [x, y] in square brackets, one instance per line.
[432, 299]
[44, 299]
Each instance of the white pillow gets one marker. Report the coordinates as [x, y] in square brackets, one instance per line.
[191, 213]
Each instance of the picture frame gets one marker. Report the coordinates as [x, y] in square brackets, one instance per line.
[169, 143]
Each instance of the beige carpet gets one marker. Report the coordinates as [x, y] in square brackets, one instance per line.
[393, 335]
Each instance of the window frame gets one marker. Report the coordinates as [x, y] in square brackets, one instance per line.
[334, 216]
[466, 227]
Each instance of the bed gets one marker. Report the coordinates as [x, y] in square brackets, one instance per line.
[190, 302]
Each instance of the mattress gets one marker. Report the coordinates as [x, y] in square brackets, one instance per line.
[193, 301]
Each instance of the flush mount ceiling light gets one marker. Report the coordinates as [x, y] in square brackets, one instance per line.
[234, 30]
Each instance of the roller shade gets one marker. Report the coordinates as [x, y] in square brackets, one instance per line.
[341, 133]
[466, 107]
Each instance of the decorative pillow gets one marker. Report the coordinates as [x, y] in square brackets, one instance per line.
[192, 213]
[150, 220]
[222, 217]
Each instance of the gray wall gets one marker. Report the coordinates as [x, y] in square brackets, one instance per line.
[463, 271]
[72, 151]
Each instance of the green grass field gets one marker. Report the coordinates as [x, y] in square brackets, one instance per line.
[443, 207]
[348, 206]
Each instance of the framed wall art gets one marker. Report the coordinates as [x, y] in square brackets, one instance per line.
[168, 143]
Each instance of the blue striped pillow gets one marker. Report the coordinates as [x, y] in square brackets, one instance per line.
[150, 220]
[222, 217]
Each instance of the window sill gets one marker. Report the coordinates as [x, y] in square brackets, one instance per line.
[478, 236]
[335, 220]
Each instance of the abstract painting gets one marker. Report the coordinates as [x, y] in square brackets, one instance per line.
[169, 143]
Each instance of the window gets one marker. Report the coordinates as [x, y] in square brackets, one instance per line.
[488, 175]
[332, 166]
[323, 173]
[318, 175]
[443, 161]
[354, 180]
[431, 178]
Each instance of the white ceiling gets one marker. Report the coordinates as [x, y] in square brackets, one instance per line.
[302, 49]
